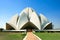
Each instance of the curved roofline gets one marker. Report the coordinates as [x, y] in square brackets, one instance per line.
[28, 8]
[41, 15]
[12, 25]
[47, 24]
[31, 23]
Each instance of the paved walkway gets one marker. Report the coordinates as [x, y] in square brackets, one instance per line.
[31, 36]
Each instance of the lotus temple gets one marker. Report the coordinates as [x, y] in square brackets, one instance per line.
[28, 19]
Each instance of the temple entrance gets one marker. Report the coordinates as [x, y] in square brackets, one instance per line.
[29, 26]
[29, 30]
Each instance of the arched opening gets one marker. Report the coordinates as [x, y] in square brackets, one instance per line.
[9, 27]
[48, 27]
[29, 26]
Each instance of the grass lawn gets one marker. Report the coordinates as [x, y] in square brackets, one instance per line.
[48, 36]
[11, 36]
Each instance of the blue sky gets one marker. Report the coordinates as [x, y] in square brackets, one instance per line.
[49, 8]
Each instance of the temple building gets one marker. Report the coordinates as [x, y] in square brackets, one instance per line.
[28, 19]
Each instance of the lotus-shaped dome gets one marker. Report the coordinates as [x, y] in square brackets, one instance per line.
[28, 19]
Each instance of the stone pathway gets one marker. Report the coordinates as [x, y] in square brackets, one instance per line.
[31, 36]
